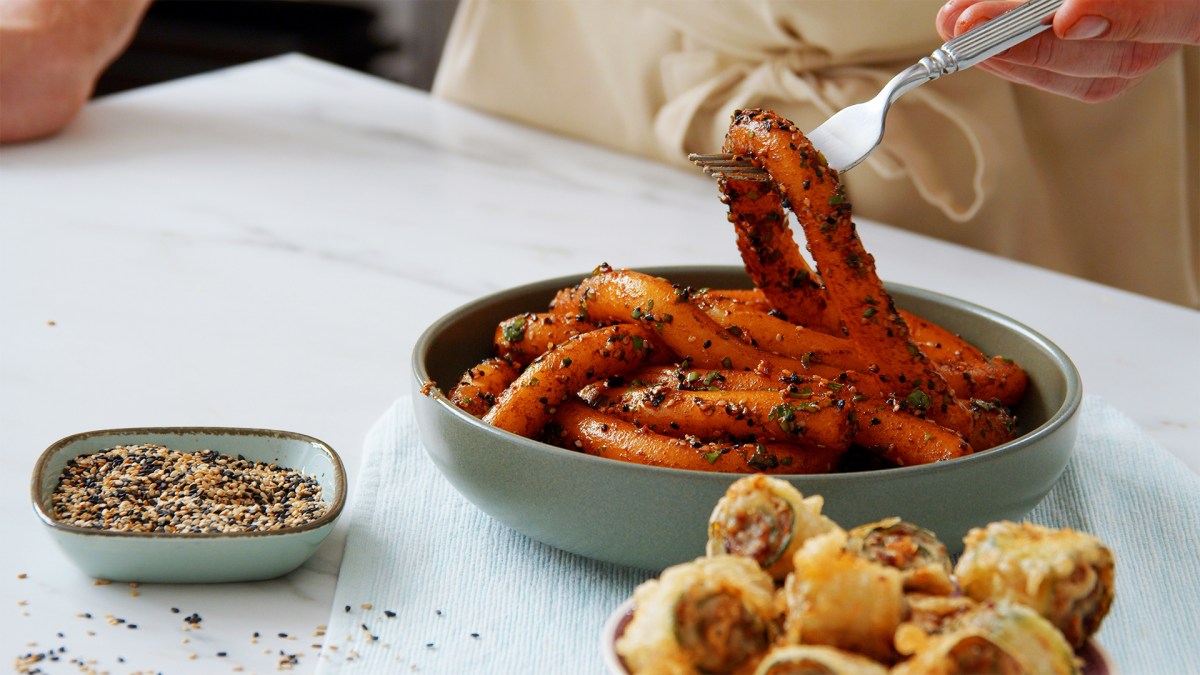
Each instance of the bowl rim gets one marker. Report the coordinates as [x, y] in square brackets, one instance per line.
[614, 625]
[1072, 399]
[335, 506]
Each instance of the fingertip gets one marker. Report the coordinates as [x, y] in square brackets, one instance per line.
[946, 16]
[1087, 27]
[974, 13]
[1158, 21]
[965, 22]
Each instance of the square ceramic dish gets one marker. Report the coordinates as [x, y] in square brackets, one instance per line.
[652, 517]
[203, 557]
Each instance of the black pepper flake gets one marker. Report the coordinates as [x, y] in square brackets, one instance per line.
[222, 654]
[174, 610]
[475, 635]
[347, 609]
[389, 613]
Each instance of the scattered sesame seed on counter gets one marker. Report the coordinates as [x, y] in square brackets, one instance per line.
[152, 488]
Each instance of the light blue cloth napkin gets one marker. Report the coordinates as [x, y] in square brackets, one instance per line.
[430, 584]
[1144, 503]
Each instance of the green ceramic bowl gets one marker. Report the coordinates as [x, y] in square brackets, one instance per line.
[194, 558]
[651, 517]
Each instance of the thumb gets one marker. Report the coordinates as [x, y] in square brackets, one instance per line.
[1169, 21]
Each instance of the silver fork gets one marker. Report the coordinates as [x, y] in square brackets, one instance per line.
[852, 133]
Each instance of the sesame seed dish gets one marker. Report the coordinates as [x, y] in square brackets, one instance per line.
[190, 504]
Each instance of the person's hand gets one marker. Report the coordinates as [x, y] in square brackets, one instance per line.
[1096, 48]
[53, 52]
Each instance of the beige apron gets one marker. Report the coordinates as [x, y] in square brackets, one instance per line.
[1109, 192]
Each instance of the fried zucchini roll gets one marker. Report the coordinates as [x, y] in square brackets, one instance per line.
[934, 613]
[837, 598]
[767, 520]
[920, 556]
[816, 660]
[711, 615]
[1005, 638]
[1065, 575]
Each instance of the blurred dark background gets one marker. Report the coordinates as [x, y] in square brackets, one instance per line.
[400, 40]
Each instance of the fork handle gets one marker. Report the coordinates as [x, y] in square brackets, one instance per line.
[980, 43]
[992, 37]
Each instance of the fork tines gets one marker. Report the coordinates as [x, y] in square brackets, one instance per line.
[729, 167]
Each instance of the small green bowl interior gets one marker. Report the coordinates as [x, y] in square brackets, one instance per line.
[652, 517]
[194, 558]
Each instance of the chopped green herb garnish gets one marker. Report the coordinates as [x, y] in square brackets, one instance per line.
[918, 399]
[514, 331]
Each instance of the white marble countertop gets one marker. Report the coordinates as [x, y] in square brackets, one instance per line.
[262, 246]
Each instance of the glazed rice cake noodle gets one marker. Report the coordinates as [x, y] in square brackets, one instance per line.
[836, 598]
[765, 519]
[816, 660]
[711, 615]
[919, 555]
[1001, 638]
[1065, 575]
